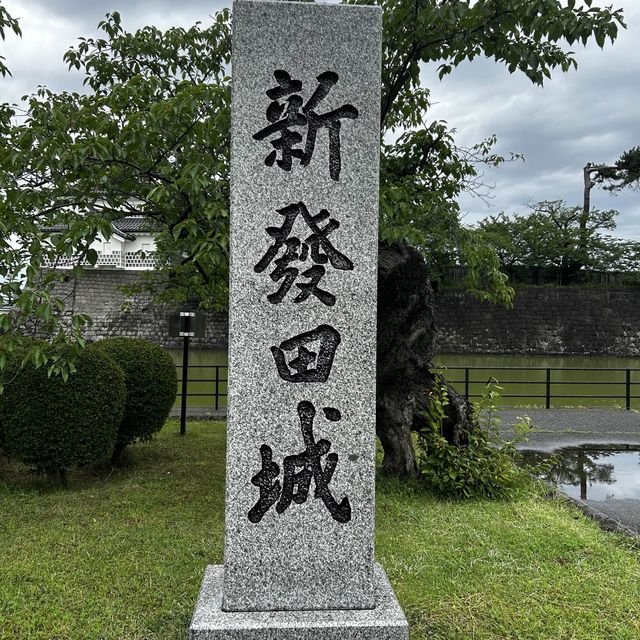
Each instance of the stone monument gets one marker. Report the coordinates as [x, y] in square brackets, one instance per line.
[305, 144]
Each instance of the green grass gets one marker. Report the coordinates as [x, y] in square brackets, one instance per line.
[120, 555]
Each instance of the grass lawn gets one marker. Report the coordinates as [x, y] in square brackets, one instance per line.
[120, 555]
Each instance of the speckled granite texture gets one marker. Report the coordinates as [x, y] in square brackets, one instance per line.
[385, 622]
[297, 552]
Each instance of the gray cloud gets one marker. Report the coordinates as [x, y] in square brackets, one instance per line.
[88, 14]
[50, 27]
[588, 115]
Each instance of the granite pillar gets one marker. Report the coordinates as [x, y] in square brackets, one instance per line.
[299, 527]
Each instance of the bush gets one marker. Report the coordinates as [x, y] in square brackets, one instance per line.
[150, 378]
[485, 467]
[10, 359]
[50, 424]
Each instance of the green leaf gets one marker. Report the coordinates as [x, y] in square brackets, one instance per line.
[92, 257]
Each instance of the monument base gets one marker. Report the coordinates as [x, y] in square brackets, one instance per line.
[385, 622]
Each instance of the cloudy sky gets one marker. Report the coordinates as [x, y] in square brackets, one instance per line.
[588, 115]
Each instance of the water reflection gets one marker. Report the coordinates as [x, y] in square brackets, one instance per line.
[591, 472]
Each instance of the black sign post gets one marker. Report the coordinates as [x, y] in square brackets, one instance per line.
[186, 324]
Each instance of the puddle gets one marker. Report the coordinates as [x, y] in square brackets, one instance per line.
[592, 472]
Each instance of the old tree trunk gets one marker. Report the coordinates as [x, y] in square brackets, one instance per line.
[405, 348]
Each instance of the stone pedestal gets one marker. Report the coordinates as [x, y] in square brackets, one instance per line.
[384, 622]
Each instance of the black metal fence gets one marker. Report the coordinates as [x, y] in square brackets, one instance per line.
[214, 387]
[537, 383]
[547, 386]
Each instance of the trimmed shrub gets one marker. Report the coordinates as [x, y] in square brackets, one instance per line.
[150, 377]
[51, 425]
[12, 360]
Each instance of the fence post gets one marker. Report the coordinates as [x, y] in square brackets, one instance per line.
[628, 389]
[466, 384]
[217, 383]
[548, 391]
[185, 378]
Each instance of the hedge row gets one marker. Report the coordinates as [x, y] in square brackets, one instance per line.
[122, 391]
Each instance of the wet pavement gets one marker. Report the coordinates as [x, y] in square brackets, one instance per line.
[600, 458]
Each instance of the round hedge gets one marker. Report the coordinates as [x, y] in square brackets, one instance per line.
[13, 359]
[150, 378]
[51, 425]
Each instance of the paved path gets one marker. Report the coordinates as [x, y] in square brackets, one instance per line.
[558, 428]
[625, 512]
[201, 413]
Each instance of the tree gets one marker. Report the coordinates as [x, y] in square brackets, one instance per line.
[152, 135]
[422, 176]
[557, 237]
[508, 236]
[7, 22]
[624, 173]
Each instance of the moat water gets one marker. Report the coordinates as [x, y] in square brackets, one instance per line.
[517, 385]
[570, 387]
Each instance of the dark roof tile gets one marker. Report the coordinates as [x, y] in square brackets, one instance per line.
[125, 225]
[132, 224]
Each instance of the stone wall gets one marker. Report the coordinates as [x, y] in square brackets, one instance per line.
[544, 320]
[114, 314]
